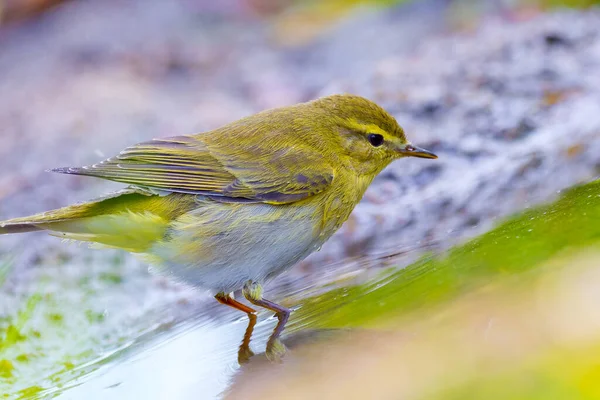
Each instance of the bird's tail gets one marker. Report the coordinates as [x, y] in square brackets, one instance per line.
[130, 219]
[17, 227]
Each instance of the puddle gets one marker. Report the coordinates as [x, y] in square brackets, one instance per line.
[57, 347]
[198, 357]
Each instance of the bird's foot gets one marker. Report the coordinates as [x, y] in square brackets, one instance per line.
[275, 350]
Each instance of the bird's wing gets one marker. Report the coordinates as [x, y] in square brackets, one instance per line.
[185, 164]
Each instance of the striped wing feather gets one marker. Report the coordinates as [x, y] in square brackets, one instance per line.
[184, 164]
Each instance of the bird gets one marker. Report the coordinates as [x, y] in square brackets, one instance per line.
[231, 208]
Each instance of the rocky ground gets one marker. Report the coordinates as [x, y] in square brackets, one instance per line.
[511, 108]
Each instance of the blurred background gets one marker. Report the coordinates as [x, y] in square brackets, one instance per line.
[475, 276]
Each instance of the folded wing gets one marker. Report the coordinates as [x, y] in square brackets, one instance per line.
[185, 164]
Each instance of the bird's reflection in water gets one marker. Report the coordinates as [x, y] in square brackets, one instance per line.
[277, 346]
[295, 347]
[245, 353]
[274, 350]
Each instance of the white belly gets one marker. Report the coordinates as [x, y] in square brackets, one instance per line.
[222, 246]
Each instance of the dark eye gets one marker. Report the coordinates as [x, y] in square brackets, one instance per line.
[375, 139]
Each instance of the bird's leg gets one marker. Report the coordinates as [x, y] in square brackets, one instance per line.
[244, 352]
[253, 293]
[231, 302]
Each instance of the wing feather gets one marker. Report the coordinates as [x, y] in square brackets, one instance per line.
[185, 164]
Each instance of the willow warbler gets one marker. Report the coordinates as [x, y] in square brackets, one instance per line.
[235, 206]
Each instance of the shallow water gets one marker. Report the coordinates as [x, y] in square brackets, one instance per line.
[182, 347]
[80, 324]
[197, 357]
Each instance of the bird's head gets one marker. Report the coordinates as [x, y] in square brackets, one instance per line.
[368, 136]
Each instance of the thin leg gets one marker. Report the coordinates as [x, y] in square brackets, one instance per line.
[244, 352]
[231, 302]
[253, 293]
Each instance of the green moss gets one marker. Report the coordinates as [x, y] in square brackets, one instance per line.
[6, 369]
[518, 245]
[23, 358]
[111, 277]
[12, 334]
[69, 365]
[94, 317]
[55, 318]
[541, 379]
[30, 392]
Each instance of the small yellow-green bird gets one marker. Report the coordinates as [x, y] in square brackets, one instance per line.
[230, 208]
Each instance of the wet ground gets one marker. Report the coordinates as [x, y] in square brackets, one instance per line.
[504, 306]
[510, 107]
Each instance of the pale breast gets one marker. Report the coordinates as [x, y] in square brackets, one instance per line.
[220, 246]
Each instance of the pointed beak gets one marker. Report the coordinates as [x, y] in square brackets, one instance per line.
[414, 151]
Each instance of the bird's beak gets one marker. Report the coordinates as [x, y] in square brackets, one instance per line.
[414, 151]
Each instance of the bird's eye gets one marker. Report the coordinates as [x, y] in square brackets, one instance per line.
[375, 139]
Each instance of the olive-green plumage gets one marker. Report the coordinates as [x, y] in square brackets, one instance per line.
[239, 203]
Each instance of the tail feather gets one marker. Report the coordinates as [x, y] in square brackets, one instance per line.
[77, 211]
[8, 227]
[69, 170]
[130, 219]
